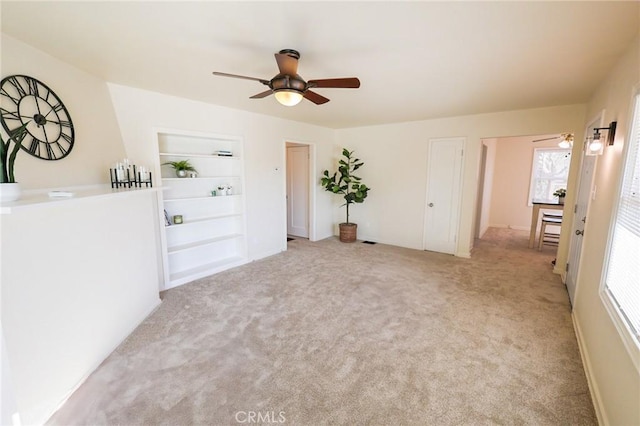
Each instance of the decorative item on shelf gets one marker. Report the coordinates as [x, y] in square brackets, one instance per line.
[9, 188]
[224, 153]
[224, 190]
[214, 193]
[167, 221]
[127, 175]
[348, 185]
[181, 167]
[560, 193]
[177, 219]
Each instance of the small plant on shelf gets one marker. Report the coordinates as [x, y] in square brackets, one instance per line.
[560, 193]
[181, 167]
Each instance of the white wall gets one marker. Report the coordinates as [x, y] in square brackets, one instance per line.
[485, 185]
[77, 277]
[97, 137]
[511, 181]
[615, 380]
[74, 281]
[139, 112]
[395, 157]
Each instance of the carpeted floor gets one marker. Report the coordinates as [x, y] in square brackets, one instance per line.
[349, 334]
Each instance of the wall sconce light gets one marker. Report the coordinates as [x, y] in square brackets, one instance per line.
[595, 145]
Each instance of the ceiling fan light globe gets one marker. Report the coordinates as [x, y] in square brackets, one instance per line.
[564, 144]
[288, 97]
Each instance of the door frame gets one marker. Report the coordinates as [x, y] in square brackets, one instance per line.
[596, 121]
[430, 143]
[311, 189]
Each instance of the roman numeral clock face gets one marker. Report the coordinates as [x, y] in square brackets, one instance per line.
[24, 99]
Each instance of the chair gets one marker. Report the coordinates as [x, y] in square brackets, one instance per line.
[549, 238]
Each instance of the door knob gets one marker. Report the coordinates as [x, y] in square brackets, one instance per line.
[430, 204]
[579, 232]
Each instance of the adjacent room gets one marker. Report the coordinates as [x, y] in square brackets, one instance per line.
[320, 212]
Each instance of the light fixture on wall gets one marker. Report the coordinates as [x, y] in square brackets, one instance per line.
[288, 97]
[595, 145]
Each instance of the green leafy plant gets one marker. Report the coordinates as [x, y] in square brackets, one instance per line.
[181, 165]
[344, 182]
[561, 192]
[8, 153]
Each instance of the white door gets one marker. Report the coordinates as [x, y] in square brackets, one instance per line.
[444, 188]
[298, 191]
[580, 217]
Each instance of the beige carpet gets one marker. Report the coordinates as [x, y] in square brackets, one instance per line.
[350, 334]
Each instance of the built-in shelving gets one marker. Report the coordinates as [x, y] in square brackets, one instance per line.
[211, 237]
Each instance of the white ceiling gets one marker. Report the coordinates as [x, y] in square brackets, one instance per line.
[416, 60]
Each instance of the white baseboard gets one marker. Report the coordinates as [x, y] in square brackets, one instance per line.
[591, 381]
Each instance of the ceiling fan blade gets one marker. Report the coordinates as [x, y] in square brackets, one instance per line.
[262, 95]
[546, 139]
[224, 74]
[342, 83]
[315, 98]
[287, 64]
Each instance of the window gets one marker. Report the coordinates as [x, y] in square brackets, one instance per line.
[622, 279]
[550, 171]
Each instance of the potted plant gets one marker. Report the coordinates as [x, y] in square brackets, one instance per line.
[9, 188]
[345, 183]
[560, 193]
[181, 167]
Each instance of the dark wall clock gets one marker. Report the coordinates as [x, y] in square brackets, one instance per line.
[24, 99]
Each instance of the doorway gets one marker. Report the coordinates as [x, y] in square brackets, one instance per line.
[444, 190]
[298, 178]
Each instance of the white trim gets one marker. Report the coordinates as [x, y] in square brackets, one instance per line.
[533, 168]
[631, 343]
[312, 187]
[591, 379]
[460, 188]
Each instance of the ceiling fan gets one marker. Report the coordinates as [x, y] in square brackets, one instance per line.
[289, 88]
[566, 140]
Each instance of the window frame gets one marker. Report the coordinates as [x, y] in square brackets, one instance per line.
[533, 178]
[629, 338]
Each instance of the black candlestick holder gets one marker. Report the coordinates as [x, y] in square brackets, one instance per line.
[128, 178]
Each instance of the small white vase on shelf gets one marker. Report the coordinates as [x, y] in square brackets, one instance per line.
[9, 192]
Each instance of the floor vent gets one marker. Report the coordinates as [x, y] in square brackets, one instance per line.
[369, 242]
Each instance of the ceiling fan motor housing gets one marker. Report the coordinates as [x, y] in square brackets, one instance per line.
[287, 82]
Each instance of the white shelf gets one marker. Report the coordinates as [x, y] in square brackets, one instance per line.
[200, 271]
[204, 219]
[200, 177]
[183, 154]
[41, 199]
[212, 237]
[201, 198]
[201, 243]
